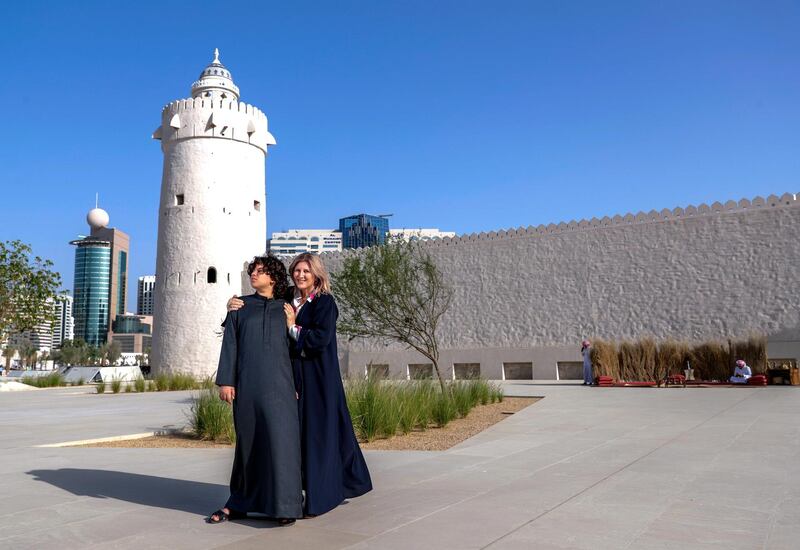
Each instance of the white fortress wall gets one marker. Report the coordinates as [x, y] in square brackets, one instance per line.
[530, 295]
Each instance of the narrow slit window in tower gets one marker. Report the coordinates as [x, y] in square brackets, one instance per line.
[212, 275]
[179, 199]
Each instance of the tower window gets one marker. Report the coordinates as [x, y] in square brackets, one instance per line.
[257, 205]
[212, 275]
[179, 199]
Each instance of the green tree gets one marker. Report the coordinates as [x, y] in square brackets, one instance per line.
[394, 292]
[110, 352]
[26, 285]
[74, 352]
[27, 353]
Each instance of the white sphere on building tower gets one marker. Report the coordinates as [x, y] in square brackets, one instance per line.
[97, 218]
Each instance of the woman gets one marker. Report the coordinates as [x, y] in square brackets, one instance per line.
[255, 375]
[333, 466]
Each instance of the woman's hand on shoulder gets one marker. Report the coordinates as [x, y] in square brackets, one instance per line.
[235, 303]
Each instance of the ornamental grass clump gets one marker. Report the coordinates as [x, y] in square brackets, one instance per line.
[711, 361]
[605, 359]
[753, 351]
[443, 410]
[140, 384]
[116, 384]
[181, 381]
[100, 387]
[161, 381]
[381, 409]
[211, 418]
[671, 358]
[52, 380]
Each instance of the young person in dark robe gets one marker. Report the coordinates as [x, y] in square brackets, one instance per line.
[255, 375]
[333, 465]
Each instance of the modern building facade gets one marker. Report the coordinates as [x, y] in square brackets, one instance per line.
[64, 323]
[101, 278]
[211, 217]
[420, 234]
[362, 230]
[287, 244]
[133, 333]
[144, 295]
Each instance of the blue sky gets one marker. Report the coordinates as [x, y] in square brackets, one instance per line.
[467, 116]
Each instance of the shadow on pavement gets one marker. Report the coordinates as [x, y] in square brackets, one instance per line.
[194, 497]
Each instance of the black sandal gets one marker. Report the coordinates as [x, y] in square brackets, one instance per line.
[223, 517]
[286, 522]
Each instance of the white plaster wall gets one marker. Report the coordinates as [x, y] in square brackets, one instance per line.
[723, 271]
[220, 177]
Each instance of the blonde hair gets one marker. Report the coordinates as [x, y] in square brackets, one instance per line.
[322, 281]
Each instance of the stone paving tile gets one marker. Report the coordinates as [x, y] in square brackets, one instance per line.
[674, 466]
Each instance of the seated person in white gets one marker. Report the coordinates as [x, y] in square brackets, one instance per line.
[741, 373]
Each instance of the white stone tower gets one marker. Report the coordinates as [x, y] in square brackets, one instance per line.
[211, 218]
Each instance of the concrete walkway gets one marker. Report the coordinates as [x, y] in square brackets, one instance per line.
[583, 468]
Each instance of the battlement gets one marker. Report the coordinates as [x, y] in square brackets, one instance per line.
[207, 118]
[182, 105]
[653, 216]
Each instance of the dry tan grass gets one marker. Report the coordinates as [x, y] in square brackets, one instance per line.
[671, 358]
[605, 359]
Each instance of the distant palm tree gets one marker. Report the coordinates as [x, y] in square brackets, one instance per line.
[9, 352]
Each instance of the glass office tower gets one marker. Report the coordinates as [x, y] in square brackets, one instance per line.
[92, 289]
[363, 230]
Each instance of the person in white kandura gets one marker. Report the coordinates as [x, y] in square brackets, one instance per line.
[741, 373]
[586, 351]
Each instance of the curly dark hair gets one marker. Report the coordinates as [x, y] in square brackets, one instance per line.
[275, 269]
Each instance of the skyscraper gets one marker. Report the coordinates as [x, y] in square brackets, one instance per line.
[362, 230]
[144, 295]
[63, 324]
[101, 278]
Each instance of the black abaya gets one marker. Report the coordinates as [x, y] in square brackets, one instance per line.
[333, 466]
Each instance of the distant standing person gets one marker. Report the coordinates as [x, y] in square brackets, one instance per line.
[586, 351]
[741, 373]
[255, 375]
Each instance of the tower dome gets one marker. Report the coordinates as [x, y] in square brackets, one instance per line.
[215, 82]
[97, 218]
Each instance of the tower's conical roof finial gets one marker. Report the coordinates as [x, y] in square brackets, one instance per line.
[216, 56]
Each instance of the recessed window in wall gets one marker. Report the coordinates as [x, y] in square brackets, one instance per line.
[179, 199]
[257, 205]
[378, 372]
[420, 371]
[570, 370]
[518, 371]
[212, 275]
[466, 371]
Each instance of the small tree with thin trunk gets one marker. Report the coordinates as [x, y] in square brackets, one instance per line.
[26, 285]
[393, 292]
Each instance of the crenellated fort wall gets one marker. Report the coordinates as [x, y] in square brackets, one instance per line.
[528, 296]
[217, 118]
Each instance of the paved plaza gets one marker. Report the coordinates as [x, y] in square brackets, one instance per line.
[582, 468]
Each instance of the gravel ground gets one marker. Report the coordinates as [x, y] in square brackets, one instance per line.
[432, 439]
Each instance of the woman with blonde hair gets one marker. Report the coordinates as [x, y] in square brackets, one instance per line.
[333, 466]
